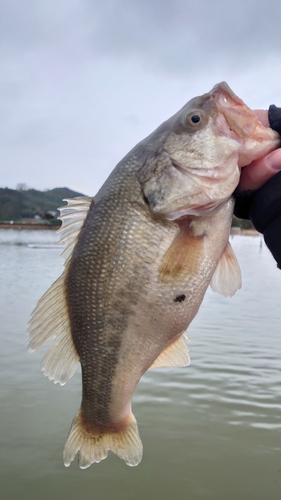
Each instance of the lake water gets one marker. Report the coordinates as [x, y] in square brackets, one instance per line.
[210, 431]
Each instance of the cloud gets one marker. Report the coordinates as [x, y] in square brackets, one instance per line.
[173, 35]
[82, 81]
[181, 35]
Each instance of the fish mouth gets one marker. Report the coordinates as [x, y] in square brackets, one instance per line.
[234, 114]
[211, 173]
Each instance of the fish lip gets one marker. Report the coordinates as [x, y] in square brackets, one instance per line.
[225, 89]
[235, 116]
[178, 166]
[207, 210]
[210, 173]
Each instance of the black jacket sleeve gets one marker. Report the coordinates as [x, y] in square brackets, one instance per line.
[263, 206]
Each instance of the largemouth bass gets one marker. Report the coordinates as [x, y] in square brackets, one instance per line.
[139, 258]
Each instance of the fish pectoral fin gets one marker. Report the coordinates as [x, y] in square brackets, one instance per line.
[227, 278]
[93, 447]
[50, 319]
[183, 256]
[176, 354]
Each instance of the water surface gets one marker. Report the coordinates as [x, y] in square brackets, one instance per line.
[210, 431]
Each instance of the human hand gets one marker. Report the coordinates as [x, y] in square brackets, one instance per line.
[260, 171]
[258, 196]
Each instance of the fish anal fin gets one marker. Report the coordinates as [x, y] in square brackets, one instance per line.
[226, 279]
[176, 354]
[183, 256]
[94, 446]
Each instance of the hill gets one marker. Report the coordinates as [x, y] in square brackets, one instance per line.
[16, 204]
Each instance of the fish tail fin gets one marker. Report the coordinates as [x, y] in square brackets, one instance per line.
[94, 447]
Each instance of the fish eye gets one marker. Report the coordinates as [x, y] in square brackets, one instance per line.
[195, 118]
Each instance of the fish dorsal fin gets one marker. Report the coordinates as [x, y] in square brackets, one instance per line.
[227, 279]
[50, 317]
[72, 216]
[183, 256]
[176, 354]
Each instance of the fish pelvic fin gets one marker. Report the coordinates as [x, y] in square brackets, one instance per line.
[176, 354]
[94, 447]
[73, 216]
[227, 279]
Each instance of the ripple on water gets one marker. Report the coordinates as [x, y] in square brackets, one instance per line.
[223, 412]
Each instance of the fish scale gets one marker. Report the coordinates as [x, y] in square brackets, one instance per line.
[138, 261]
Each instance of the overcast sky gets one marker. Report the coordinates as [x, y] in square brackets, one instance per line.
[82, 81]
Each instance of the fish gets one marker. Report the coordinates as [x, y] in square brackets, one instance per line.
[139, 257]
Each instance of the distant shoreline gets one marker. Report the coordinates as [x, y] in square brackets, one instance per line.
[244, 232]
[53, 227]
[18, 225]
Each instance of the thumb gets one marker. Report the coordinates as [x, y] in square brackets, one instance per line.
[260, 171]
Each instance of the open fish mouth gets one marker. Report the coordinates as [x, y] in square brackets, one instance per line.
[239, 118]
[119, 306]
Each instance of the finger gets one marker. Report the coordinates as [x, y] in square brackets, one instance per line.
[259, 171]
